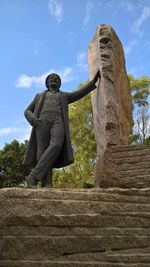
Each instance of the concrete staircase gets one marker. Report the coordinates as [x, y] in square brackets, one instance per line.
[125, 167]
[75, 228]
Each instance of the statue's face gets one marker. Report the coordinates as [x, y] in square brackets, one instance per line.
[53, 83]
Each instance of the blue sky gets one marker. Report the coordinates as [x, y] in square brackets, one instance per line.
[43, 36]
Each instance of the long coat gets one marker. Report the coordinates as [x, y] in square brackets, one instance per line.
[33, 111]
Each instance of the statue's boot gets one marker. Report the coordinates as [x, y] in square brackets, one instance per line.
[31, 181]
[47, 180]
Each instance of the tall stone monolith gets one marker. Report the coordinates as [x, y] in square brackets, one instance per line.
[111, 100]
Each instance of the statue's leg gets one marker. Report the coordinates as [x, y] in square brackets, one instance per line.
[48, 179]
[31, 181]
[42, 142]
[51, 153]
[42, 138]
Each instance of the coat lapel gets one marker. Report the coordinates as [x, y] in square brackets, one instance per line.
[30, 155]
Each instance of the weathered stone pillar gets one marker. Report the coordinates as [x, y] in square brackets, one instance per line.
[112, 99]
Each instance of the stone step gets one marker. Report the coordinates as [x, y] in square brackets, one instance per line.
[31, 230]
[115, 219]
[96, 194]
[130, 153]
[124, 166]
[50, 263]
[50, 207]
[138, 181]
[74, 209]
[135, 181]
[130, 160]
[95, 227]
[134, 172]
[122, 148]
[133, 166]
[47, 247]
[24, 205]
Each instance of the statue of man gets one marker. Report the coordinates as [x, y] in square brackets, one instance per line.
[50, 145]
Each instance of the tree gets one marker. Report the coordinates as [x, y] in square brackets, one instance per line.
[12, 173]
[142, 125]
[80, 173]
[140, 90]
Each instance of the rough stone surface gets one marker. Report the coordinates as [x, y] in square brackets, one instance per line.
[124, 166]
[112, 99]
[76, 228]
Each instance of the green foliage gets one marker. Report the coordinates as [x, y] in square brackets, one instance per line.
[80, 173]
[140, 90]
[12, 173]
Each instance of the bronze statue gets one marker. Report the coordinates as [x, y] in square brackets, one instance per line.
[50, 145]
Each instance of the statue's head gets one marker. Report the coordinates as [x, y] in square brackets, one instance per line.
[53, 82]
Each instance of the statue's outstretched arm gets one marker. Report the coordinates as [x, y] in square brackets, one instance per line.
[74, 96]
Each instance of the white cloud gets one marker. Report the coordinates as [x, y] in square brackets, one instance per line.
[127, 5]
[56, 9]
[129, 47]
[67, 75]
[110, 3]
[143, 17]
[37, 45]
[4, 107]
[147, 45]
[25, 134]
[133, 71]
[82, 61]
[7, 131]
[36, 51]
[5, 3]
[70, 36]
[19, 121]
[19, 133]
[89, 7]
[26, 81]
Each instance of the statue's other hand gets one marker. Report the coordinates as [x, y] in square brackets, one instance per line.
[96, 76]
[37, 122]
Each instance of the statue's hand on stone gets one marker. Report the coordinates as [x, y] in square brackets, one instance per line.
[97, 76]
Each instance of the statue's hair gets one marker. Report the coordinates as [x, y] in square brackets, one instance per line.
[52, 74]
